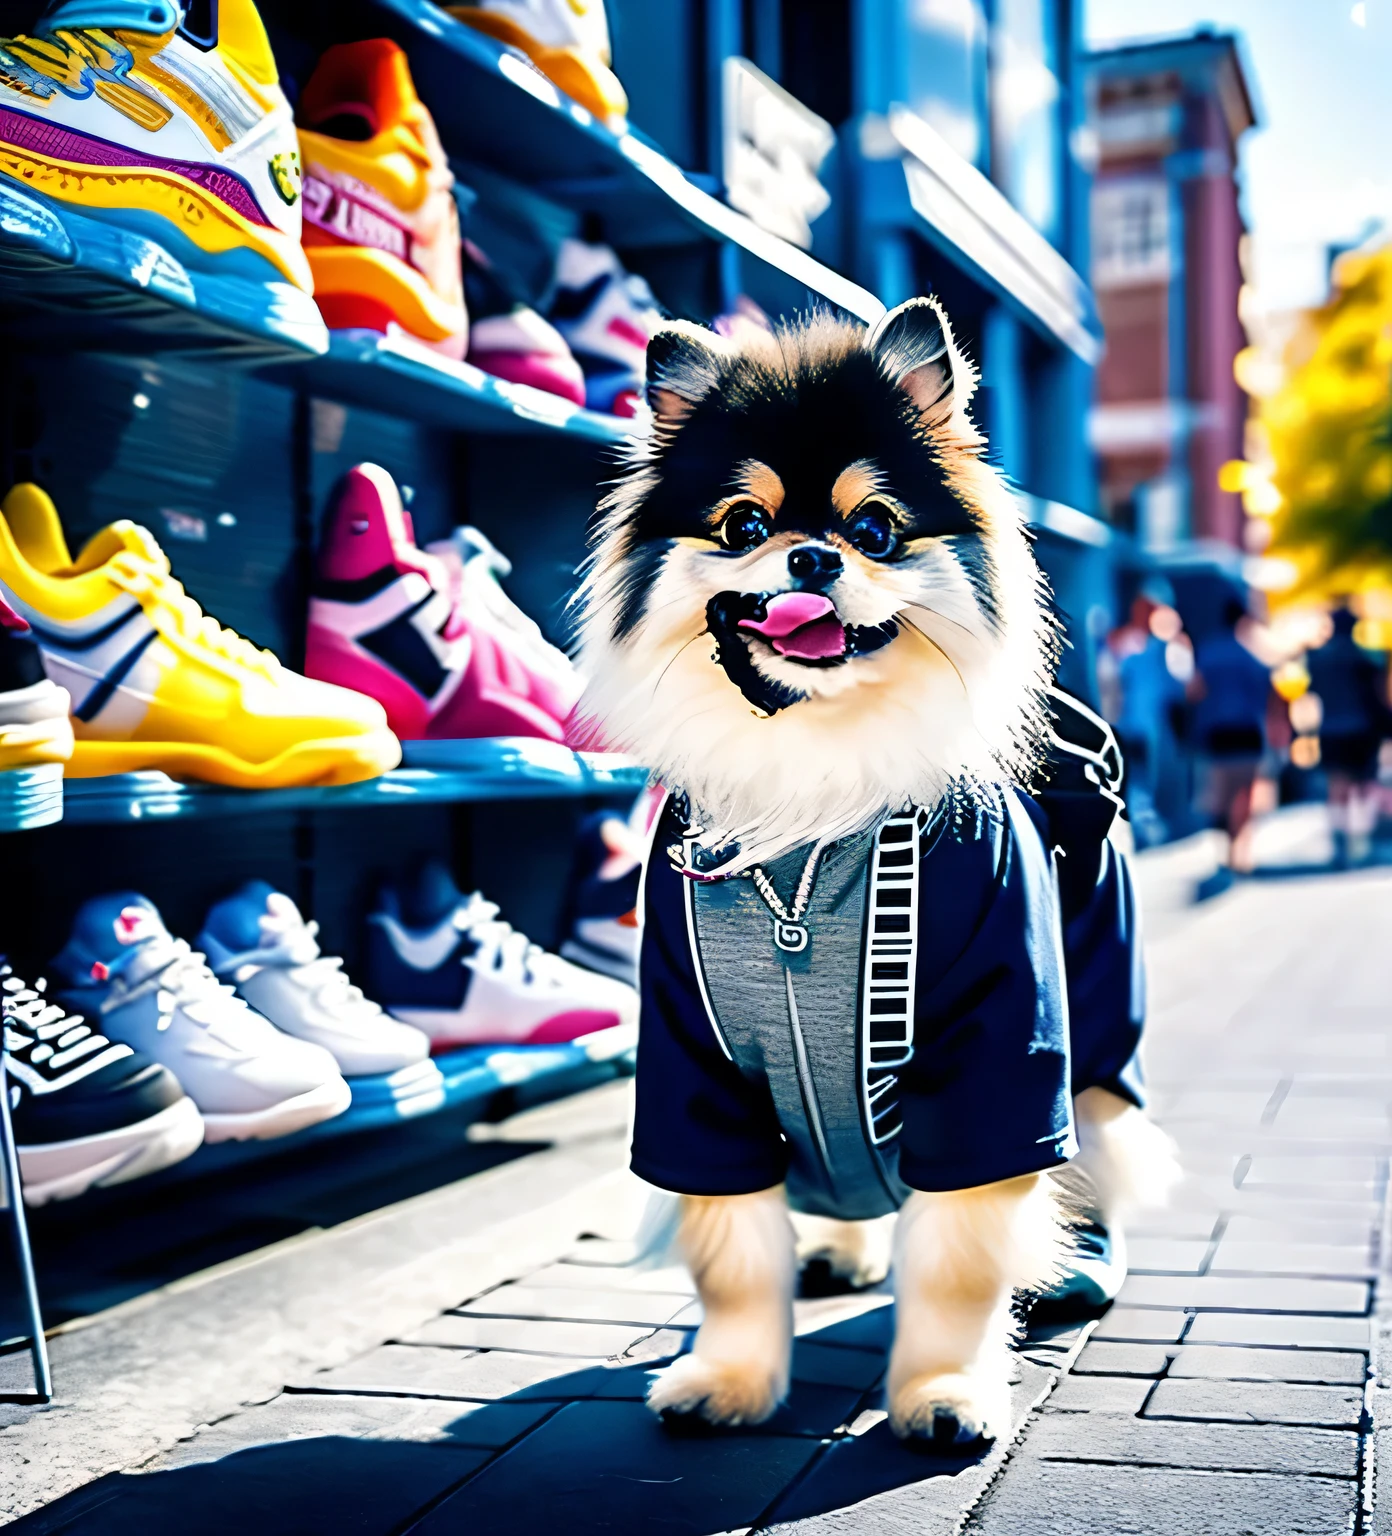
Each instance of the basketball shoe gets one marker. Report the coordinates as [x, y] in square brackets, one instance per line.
[607, 316]
[381, 225]
[155, 683]
[156, 994]
[85, 1110]
[602, 920]
[257, 942]
[475, 565]
[448, 964]
[567, 40]
[36, 737]
[386, 619]
[139, 122]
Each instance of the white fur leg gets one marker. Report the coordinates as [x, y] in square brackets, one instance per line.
[959, 1257]
[740, 1252]
[857, 1252]
[1128, 1162]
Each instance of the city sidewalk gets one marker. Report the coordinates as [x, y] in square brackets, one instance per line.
[1227, 1391]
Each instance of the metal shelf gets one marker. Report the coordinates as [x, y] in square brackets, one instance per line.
[436, 772]
[403, 378]
[68, 281]
[474, 1078]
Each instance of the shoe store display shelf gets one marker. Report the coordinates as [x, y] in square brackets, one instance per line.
[480, 1082]
[404, 378]
[70, 281]
[494, 108]
[438, 772]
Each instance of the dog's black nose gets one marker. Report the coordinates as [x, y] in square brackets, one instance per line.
[814, 564]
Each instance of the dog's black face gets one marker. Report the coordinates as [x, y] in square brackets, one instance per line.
[828, 466]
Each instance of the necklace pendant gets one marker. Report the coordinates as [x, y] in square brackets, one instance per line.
[790, 937]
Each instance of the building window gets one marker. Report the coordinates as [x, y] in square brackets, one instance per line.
[1130, 232]
[1026, 159]
[946, 72]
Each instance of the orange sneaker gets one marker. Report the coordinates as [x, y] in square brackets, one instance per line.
[567, 40]
[380, 225]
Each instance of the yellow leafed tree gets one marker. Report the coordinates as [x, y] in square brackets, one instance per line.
[1322, 466]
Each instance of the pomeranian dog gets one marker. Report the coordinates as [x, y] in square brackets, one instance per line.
[813, 610]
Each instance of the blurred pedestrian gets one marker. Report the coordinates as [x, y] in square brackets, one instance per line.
[1350, 685]
[1232, 687]
[1148, 688]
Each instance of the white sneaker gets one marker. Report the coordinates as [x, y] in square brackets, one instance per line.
[258, 942]
[155, 993]
[451, 966]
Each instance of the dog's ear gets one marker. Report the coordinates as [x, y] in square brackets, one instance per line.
[684, 364]
[914, 347]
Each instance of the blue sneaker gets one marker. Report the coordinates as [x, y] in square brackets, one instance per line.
[156, 994]
[602, 921]
[257, 942]
[448, 964]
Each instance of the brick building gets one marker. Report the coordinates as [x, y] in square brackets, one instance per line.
[1166, 232]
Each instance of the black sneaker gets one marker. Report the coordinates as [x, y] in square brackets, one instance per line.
[85, 1110]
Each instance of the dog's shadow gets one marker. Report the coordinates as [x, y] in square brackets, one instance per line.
[577, 1452]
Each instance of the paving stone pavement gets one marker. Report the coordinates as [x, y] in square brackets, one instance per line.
[1229, 1390]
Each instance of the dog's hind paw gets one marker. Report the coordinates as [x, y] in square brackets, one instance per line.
[949, 1412]
[722, 1392]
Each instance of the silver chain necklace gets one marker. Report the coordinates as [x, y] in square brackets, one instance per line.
[789, 930]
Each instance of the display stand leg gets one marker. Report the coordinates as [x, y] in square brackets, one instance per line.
[14, 1202]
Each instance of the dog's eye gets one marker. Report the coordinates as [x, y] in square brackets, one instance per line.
[872, 533]
[745, 527]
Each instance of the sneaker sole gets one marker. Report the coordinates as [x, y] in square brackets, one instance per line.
[322, 761]
[31, 796]
[282, 1119]
[203, 220]
[61, 1170]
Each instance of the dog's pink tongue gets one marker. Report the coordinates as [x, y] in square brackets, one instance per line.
[801, 624]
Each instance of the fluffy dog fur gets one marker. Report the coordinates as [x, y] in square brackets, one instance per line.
[857, 449]
[779, 422]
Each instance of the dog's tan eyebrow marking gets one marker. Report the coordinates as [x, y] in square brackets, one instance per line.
[756, 479]
[856, 482]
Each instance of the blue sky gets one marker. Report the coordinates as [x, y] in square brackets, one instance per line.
[1320, 166]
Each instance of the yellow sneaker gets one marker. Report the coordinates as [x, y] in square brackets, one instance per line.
[381, 226]
[190, 143]
[567, 40]
[155, 683]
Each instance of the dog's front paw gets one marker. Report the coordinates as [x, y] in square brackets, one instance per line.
[717, 1391]
[949, 1411]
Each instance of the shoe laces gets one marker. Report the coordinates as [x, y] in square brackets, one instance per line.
[46, 1034]
[500, 946]
[179, 977]
[294, 948]
[148, 574]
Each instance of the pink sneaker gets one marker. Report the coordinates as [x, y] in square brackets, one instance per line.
[513, 342]
[385, 618]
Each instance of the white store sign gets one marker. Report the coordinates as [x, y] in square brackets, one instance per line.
[773, 149]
